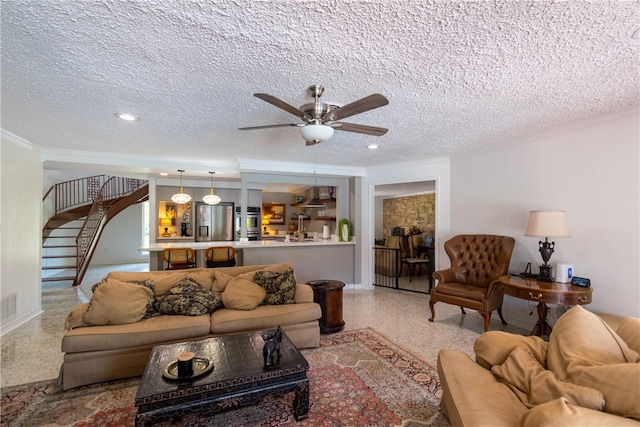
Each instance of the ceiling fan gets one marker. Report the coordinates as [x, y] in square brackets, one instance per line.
[321, 118]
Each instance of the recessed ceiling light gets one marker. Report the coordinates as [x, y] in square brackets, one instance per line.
[163, 174]
[126, 116]
[372, 146]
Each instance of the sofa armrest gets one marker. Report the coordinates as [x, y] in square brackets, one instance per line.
[304, 293]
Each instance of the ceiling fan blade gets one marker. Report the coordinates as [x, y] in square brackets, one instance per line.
[353, 127]
[270, 126]
[283, 105]
[360, 106]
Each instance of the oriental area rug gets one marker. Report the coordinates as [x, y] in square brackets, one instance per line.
[356, 378]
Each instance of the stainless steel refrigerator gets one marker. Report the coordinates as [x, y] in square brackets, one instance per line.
[214, 222]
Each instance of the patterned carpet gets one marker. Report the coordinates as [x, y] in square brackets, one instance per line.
[357, 378]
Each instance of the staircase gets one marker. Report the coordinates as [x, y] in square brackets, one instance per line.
[79, 211]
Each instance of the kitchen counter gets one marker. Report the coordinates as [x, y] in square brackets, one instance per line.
[311, 260]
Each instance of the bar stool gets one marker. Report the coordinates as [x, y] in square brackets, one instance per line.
[221, 256]
[179, 258]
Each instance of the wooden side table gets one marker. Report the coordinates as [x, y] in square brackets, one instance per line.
[545, 293]
[328, 293]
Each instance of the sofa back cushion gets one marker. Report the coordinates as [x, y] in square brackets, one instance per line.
[166, 279]
[583, 349]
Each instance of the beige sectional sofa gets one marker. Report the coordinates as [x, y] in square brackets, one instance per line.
[588, 374]
[111, 337]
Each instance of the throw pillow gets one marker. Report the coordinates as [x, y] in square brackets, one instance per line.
[151, 305]
[116, 303]
[583, 349]
[75, 318]
[535, 385]
[280, 287]
[220, 281]
[241, 294]
[188, 298]
[493, 347]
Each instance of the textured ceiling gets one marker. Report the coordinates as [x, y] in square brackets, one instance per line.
[460, 76]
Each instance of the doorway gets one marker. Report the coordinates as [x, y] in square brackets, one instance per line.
[404, 232]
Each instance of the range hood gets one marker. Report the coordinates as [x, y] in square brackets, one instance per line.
[316, 201]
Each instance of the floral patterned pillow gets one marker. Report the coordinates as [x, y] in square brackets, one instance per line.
[280, 287]
[188, 298]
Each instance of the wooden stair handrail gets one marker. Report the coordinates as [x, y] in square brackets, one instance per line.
[110, 193]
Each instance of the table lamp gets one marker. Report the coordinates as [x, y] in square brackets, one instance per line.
[265, 222]
[547, 224]
[165, 222]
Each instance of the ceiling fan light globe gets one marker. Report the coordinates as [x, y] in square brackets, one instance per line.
[318, 132]
[211, 199]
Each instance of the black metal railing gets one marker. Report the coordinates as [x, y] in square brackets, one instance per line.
[387, 266]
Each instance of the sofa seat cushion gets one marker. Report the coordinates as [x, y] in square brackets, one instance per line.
[560, 412]
[154, 330]
[225, 321]
[461, 290]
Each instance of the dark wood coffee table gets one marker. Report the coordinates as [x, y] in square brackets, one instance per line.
[238, 378]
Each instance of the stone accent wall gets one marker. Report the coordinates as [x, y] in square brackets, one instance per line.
[412, 211]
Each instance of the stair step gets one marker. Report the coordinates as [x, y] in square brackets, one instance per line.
[57, 256]
[62, 237]
[60, 267]
[58, 279]
[58, 246]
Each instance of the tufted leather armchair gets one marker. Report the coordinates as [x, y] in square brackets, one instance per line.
[477, 260]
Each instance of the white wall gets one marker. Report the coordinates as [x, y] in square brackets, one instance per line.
[20, 228]
[591, 171]
[121, 239]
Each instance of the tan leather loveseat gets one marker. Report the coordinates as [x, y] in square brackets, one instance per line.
[588, 374]
[112, 351]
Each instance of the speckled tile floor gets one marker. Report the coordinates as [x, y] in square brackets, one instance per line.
[32, 351]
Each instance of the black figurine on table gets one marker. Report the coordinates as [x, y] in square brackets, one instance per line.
[272, 347]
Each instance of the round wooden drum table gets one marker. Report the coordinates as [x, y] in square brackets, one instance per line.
[328, 293]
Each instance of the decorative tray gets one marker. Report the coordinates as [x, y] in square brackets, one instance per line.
[201, 365]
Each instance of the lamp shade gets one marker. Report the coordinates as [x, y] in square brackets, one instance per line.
[316, 132]
[211, 199]
[181, 198]
[165, 221]
[547, 224]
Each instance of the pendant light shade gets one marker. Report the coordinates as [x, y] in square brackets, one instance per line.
[181, 197]
[211, 199]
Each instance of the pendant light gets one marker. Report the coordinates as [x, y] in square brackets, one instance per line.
[211, 199]
[181, 198]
